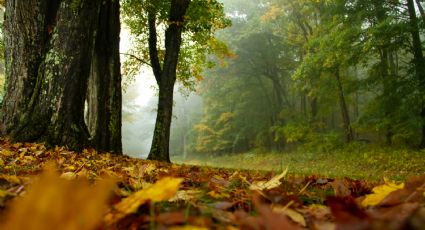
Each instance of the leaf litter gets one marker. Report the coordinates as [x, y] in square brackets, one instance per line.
[56, 188]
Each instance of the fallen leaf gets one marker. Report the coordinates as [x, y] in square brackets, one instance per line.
[266, 219]
[380, 192]
[341, 188]
[185, 195]
[163, 189]
[171, 218]
[188, 227]
[272, 183]
[68, 175]
[348, 214]
[6, 153]
[294, 215]
[13, 179]
[53, 203]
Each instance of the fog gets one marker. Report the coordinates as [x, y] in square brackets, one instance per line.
[139, 106]
[139, 114]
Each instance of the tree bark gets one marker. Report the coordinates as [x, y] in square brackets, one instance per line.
[54, 81]
[344, 110]
[419, 61]
[166, 76]
[23, 54]
[104, 92]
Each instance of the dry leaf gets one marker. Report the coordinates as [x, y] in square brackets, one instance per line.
[294, 215]
[53, 203]
[186, 195]
[272, 183]
[380, 192]
[6, 153]
[188, 227]
[163, 189]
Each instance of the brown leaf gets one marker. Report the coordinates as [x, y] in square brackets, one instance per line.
[348, 214]
[341, 188]
[412, 192]
[266, 219]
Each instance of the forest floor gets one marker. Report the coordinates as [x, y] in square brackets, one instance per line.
[59, 189]
[356, 161]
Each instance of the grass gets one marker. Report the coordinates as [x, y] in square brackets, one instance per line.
[354, 161]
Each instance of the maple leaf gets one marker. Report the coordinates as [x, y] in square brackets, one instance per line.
[380, 192]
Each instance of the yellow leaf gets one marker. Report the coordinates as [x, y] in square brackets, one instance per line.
[294, 215]
[53, 203]
[68, 176]
[4, 193]
[163, 189]
[380, 192]
[272, 183]
[6, 153]
[11, 179]
[188, 227]
[1, 162]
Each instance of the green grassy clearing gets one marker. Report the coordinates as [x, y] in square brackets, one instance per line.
[356, 161]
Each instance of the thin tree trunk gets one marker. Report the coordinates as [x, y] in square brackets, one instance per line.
[344, 110]
[421, 10]
[166, 77]
[104, 92]
[314, 108]
[419, 61]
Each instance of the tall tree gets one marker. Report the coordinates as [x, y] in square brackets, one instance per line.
[165, 75]
[104, 88]
[47, 69]
[418, 60]
[188, 37]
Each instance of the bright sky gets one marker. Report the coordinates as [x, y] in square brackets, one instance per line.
[145, 82]
[137, 134]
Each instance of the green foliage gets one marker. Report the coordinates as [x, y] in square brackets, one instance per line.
[299, 64]
[202, 20]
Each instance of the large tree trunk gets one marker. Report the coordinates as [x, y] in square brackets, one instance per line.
[55, 80]
[418, 61]
[166, 77]
[26, 31]
[104, 91]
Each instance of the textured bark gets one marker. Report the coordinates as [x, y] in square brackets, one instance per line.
[418, 61]
[166, 77]
[25, 35]
[55, 80]
[104, 91]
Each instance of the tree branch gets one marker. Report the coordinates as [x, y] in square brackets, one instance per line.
[153, 50]
[137, 58]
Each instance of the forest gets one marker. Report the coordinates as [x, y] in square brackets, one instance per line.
[264, 114]
[313, 73]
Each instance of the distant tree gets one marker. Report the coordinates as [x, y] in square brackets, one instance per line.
[418, 61]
